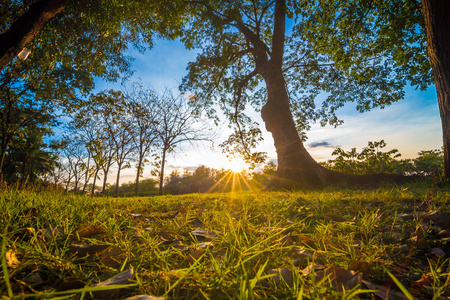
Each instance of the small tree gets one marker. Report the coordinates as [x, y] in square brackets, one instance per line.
[141, 104]
[370, 160]
[178, 122]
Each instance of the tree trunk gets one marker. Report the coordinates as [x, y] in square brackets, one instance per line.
[138, 175]
[119, 167]
[93, 183]
[436, 14]
[24, 29]
[105, 177]
[161, 176]
[296, 168]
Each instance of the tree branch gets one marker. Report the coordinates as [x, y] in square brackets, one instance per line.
[278, 35]
[25, 28]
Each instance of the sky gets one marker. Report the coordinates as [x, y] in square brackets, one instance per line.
[410, 125]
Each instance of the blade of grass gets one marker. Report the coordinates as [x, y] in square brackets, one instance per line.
[400, 285]
[4, 265]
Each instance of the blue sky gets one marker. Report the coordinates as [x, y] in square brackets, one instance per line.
[410, 125]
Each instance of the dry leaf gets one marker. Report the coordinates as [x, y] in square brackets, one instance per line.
[334, 217]
[340, 278]
[121, 278]
[306, 240]
[112, 257]
[70, 285]
[384, 292]
[311, 267]
[360, 266]
[195, 222]
[145, 297]
[199, 232]
[440, 218]
[47, 233]
[11, 259]
[194, 255]
[89, 230]
[286, 240]
[438, 252]
[34, 279]
[284, 273]
[84, 250]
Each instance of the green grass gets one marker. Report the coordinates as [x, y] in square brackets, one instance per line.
[249, 236]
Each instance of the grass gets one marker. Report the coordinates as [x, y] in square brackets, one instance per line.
[253, 245]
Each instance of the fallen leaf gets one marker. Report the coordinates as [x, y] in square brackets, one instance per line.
[84, 250]
[121, 278]
[194, 255]
[440, 218]
[195, 222]
[11, 259]
[182, 211]
[340, 278]
[70, 285]
[47, 233]
[145, 297]
[88, 230]
[286, 240]
[384, 292]
[200, 232]
[306, 240]
[312, 267]
[30, 212]
[361, 266]
[112, 257]
[334, 217]
[284, 273]
[204, 245]
[438, 252]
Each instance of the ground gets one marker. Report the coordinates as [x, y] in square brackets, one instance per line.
[334, 243]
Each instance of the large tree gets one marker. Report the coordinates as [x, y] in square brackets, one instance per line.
[413, 34]
[436, 15]
[246, 43]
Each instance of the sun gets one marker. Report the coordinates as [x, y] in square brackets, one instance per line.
[236, 165]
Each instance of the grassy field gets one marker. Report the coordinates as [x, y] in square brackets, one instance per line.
[329, 244]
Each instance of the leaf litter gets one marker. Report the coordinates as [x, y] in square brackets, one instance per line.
[304, 243]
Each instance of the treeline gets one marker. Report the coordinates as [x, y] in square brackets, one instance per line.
[204, 180]
[372, 159]
[109, 131]
[119, 130]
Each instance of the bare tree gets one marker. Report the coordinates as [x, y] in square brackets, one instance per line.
[141, 105]
[178, 122]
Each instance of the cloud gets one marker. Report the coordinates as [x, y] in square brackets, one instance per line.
[321, 144]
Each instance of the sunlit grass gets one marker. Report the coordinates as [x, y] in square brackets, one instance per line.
[248, 235]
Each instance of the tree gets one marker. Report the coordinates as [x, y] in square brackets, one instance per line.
[29, 158]
[437, 24]
[245, 43]
[371, 160]
[176, 124]
[26, 26]
[414, 34]
[141, 103]
[90, 35]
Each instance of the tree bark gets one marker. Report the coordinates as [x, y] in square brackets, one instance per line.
[161, 176]
[119, 167]
[436, 15]
[93, 183]
[138, 175]
[25, 28]
[296, 168]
